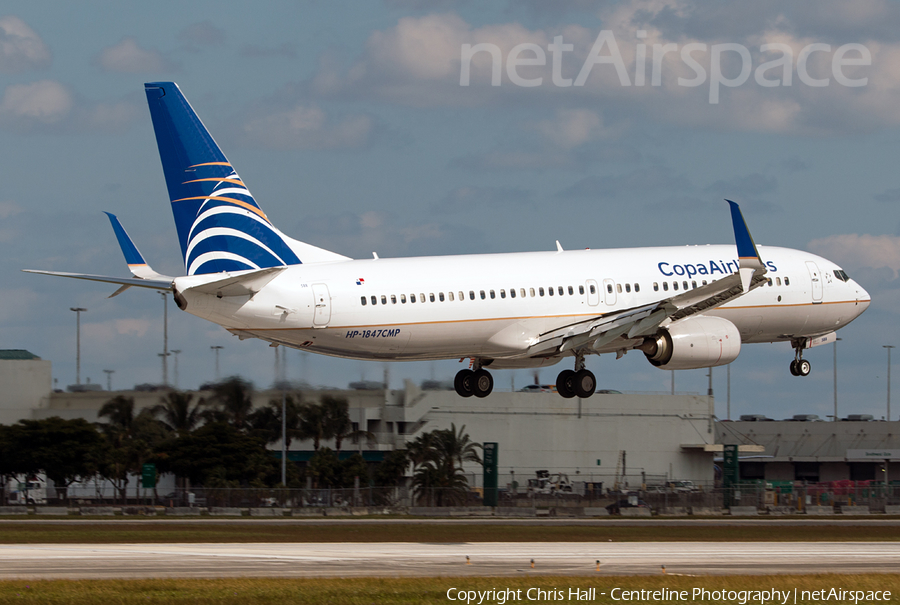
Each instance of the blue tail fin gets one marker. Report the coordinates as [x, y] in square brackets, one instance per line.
[220, 226]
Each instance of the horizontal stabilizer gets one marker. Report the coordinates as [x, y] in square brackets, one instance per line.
[154, 284]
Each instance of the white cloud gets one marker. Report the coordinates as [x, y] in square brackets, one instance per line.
[128, 57]
[417, 62]
[860, 251]
[21, 48]
[44, 102]
[307, 127]
[573, 127]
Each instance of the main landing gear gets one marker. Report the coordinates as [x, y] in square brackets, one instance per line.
[478, 382]
[800, 366]
[578, 383]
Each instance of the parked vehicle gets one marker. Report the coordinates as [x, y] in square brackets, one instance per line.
[27, 491]
[547, 483]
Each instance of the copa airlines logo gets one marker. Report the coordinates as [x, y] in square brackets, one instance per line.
[711, 268]
[230, 231]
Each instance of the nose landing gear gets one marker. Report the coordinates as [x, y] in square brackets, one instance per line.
[800, 366]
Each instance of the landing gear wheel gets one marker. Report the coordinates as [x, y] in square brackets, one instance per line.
[584, 383]
[565, 384]
[464, 383]
[482, 383]
[794, 368]
[803, 368]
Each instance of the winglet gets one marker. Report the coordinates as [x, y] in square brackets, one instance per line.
[136, 263]
[750, 262]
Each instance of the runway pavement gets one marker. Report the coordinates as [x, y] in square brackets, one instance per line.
[89, 561]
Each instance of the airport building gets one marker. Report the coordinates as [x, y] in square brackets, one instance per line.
[610, 438]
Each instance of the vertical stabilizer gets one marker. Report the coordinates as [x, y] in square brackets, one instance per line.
[220, 226]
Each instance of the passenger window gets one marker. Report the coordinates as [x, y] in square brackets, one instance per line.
[666, 286]
[609, 288]
[769, 280]
[619, 288]
[581, 289]
[362, 299]
[522, 292]
[628, 288]
[637, 287]
[471, 294]
[541, 291]
[403, 299]
[693, 285]
[656, 286]
[550, 290]
[502, 293]
[374, 300]
[703, 283]
[393, 299]
[441, 296]
[674, 285]
[684, 285]
[787, 281]
[777, 281]
[593, 289]
[450, 294]
[383, 299]
[571, 291]
[412, 298]
[431, 296]
[422, 297]
[512, 292]
[492, 294]
[559, 290]
[481, 292]
[532, 292]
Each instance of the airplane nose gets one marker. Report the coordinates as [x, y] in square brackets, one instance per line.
[862, 298]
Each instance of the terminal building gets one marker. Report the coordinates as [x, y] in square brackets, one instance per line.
[625, 440]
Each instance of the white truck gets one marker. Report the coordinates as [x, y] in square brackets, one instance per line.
[29, 490]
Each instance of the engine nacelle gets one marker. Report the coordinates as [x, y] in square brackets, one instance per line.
[697, 342]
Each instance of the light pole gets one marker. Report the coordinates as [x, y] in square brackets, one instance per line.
[175, 352]
[216, 349]
[165, 353]
[78, 311]
[109, 374]
[888, 347]
[835, 379]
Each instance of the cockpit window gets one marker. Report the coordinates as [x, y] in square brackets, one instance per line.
[841, 275]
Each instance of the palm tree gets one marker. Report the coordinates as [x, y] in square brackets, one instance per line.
[336, 412]
[177, 414]
[437, 459]
[266, 421]
[231, 402]
[312, 424]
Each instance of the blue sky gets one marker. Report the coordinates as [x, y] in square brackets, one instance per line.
[349, 124]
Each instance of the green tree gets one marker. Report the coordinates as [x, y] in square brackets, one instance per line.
[66, 450]
[324, 468]
[438, 457]
[132, 440]
[177, 414]
[392, 470]
[266, 421]
[336, 413]
[352, 467]
[312, 424]
[218, 451]
[231, 402]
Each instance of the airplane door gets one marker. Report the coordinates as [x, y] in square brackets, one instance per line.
[322, 299]
[609, 291]
[816, 280]
[593, 293]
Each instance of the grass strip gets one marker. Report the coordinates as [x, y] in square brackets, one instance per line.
[385, 591]
[151, 533]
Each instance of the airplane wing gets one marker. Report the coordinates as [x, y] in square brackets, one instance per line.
[144, 275]
[626, 328]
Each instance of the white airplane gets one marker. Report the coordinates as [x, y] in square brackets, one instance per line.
[682, 307]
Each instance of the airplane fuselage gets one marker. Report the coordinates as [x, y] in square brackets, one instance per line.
[495, 306]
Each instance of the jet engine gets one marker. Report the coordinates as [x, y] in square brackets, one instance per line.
[696, 342]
